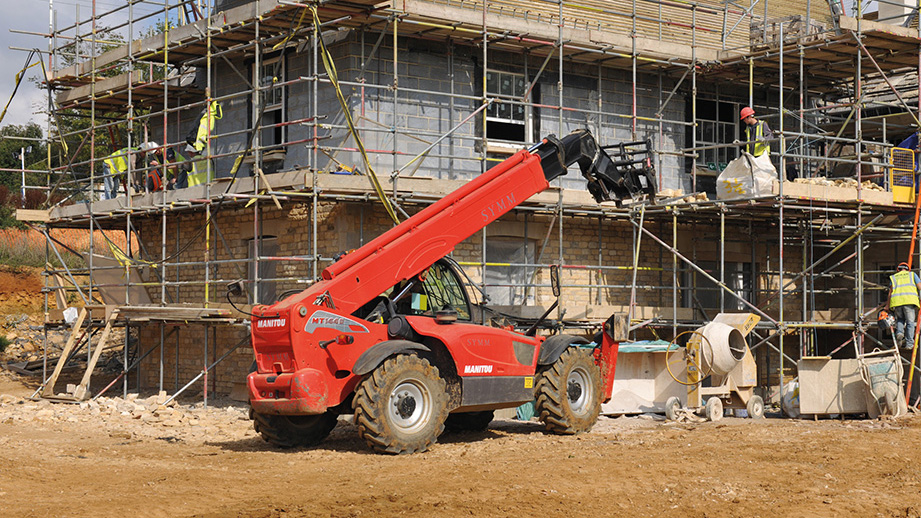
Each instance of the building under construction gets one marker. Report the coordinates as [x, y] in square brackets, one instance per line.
[327, 121]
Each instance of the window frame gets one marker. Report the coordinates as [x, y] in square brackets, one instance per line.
[277, 110]
[721, 132]
[493, 114]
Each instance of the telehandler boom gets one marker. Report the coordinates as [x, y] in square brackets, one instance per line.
[388, 333]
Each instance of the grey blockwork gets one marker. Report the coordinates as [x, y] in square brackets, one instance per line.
[415, 119]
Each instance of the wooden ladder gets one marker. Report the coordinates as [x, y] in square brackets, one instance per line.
[79, 392]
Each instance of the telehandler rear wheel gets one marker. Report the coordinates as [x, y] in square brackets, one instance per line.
[569, 393]
[401, 407]
[291, 431]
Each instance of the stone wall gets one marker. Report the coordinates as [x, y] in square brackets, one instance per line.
[586, 242]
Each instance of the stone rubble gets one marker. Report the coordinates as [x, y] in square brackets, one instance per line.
[26, 336]
[840, 182]
[135, 417]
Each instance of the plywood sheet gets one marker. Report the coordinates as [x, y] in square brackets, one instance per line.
[830, 386]
[642, 383]
[108, 271]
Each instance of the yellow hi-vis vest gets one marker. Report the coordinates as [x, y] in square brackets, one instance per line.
[199, 173]
[118, 161]
[206, 125]
[904, 291]
[758, 148]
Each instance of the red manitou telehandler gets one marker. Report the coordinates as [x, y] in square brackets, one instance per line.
[389, 333]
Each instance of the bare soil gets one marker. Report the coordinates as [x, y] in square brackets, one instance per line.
[60, 460]
[66, 460]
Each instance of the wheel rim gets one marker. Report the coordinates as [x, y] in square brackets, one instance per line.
[579, 390]
[409, 406]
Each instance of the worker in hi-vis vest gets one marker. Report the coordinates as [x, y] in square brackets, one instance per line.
[904, 287]
[115, 167]
[198, 137]
[756, 133]
[197, 165]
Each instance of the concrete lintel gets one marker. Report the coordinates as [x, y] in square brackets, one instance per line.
[103, 87]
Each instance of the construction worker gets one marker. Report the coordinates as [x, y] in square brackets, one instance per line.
[115, 167]
[198, 137]
[756, 133]
[175, 173]
[196, 167]
[903, 303]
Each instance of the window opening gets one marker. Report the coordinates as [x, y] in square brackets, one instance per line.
[505, 119]
[265, 288]
[505, 283]
[274, 99]
[738, 277]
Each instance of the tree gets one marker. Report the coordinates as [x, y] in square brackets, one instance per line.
[10, 149]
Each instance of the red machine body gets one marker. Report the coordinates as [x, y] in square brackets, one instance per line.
[314, 348]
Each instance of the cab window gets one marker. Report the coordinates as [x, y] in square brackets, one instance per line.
[443, 291]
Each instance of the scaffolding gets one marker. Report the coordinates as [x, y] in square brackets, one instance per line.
[798, 256]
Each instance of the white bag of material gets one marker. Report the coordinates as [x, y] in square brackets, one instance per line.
[745, 177]
[790, 400]
[70, 315]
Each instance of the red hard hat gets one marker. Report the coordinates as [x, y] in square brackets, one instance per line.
[746, 112]
[903, 266]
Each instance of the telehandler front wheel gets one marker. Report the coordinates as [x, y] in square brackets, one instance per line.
[569, 393]
[401, 407]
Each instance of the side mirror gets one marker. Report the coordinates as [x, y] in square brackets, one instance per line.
[555, 279]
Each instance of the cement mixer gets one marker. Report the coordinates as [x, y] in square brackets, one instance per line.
[718, 350]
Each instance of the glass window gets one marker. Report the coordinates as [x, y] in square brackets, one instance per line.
[441, 290]
[716, 124]
[505, 118]
[272, 73]
[444, 291]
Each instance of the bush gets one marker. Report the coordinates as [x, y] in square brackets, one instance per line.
[27, 247]
[4, 343]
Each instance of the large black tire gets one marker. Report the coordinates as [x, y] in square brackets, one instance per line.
[291, 431]
[469, 421]
[401, 407]
[569, 393]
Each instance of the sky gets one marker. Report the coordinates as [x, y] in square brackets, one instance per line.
[27, 15]
[33, 16]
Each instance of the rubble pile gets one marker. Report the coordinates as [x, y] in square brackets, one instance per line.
[850, 183]
[671, 194]
[26, 334]
[136, 417]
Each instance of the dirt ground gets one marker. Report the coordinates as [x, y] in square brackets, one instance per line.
[61, 460]
[120, 459]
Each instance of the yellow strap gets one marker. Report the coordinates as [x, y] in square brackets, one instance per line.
[300, 20]
[334, 79]
[123, 259]
[19, 76]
